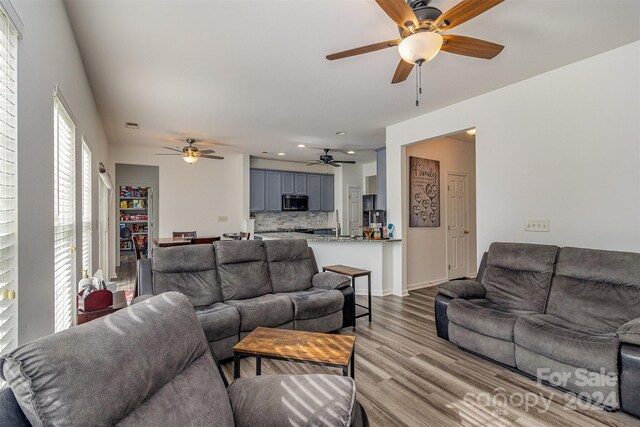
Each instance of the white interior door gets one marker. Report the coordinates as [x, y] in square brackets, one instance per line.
[355, 209]
[457, 225]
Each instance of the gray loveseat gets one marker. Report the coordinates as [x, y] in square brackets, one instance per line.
[567, 316]
[93, 375]
[236, 286]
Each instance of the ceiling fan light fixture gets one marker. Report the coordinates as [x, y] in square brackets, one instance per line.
[420, 47]
[189, 158]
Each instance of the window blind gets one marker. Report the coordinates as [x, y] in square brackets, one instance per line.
[64, 216]
[86, 208]
[8, 184]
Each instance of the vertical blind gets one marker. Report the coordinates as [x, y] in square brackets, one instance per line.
[86, 208]
[64, 216]
[8, 183]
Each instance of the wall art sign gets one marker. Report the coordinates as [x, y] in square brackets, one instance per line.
[424, 192]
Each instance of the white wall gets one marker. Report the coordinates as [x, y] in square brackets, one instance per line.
[564, 146]
[194, 196]
[48, 56]
[427, 246]
[368, 169]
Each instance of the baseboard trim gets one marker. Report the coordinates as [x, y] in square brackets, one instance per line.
[427, 284]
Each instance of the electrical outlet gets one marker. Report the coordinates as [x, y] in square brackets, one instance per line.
[540, 225]
[223, 219]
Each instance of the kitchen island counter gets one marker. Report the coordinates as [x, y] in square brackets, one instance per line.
[318, 238]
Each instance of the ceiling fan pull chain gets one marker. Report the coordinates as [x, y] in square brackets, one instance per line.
[417, 101]
[420, 67]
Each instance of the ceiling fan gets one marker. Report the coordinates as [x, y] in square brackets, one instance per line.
[327, 159]
[191, 153]
[420, 27]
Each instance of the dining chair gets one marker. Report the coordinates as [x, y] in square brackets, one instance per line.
[204, 240]
[185, 234]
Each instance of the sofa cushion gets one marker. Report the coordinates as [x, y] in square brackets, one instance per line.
[290, 265]
[518, 275]
[599, 289]
[502, 351]
[315, 303]
[242, 265]
[484, 317]
[330, 280]
[466, 289]
[266, 310]
[566, 342]
[100, 372]
[219, 321]
[190, 270]
[293, 400]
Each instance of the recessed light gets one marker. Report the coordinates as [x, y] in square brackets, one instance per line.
[342, 132]
[301, 145]
[132, 125]
[351, 152]
[281, 154]
[471, 132]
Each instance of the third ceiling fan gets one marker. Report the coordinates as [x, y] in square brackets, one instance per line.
[421, 27]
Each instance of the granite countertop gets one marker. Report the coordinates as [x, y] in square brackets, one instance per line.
[319, 238]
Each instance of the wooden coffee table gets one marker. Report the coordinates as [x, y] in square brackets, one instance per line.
[296, 346]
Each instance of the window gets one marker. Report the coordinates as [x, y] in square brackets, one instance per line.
[8, 184]
[86, 208]
[64, 200]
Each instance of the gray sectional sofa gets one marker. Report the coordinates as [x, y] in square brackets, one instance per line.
[567, 316]
[93, 375]
[236, 286]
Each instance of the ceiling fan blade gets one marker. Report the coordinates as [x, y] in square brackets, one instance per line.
[208, 156]
[334, 164]
[464, 11]
[469, 46]
[173, 149]
[402, 72]
[364, 49]
[206, 151]
[351, 162]
[167, 154]
[400, 12]
[315, 163]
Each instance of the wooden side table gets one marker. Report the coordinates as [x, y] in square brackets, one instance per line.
[354, 273]
[87, 316]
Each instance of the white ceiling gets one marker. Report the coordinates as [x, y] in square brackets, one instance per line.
[253, 74]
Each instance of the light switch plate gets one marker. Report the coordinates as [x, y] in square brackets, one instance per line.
[223, 219]
[538, 225]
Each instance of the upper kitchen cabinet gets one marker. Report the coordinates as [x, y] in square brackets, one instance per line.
[314, 186]
[273, 187]
[294, 183]
[326, 201]
[257, 190]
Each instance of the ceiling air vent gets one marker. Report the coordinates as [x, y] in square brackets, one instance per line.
[132, 125]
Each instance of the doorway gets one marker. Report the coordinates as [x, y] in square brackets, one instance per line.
[354, 213]
[457, 225]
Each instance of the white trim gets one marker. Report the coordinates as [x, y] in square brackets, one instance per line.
[11, 13]
[427, 284]
[446, 245]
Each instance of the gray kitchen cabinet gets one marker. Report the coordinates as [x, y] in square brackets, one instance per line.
[301, 183]
[327, 193]
[257, 195]
[273, 191]
[314, 191]
[381, 179]
[288, 183]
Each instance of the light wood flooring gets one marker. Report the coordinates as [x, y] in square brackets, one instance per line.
[406, 376]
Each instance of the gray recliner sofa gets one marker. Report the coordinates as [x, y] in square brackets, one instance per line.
[93, 375]
[236, 286]
[567, 316]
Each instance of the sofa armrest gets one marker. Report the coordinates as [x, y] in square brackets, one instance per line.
[466, 289]
[141, 298]
[630, 332]
[144, 277]
[330, 280]
[275, 400]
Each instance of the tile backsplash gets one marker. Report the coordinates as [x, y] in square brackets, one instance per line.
[267, 221]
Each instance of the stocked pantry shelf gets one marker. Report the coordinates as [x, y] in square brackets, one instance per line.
[134, 216]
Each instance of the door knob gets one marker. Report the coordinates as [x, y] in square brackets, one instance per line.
[466, 231]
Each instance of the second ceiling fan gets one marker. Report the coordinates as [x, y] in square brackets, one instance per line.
[420, 27]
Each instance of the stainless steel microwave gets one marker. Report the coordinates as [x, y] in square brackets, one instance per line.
[295, 202]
